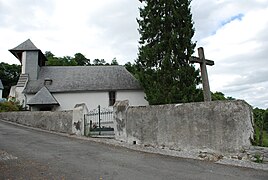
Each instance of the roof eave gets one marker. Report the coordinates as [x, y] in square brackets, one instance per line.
[17, 53]
[57, 104]
[95, 90]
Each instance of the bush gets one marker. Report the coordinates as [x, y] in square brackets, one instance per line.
[10, 106]
[260, 127]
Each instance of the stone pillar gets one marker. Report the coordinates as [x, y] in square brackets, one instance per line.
[78, 119]
[120, 119]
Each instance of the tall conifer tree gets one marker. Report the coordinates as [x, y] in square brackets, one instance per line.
[166, 30]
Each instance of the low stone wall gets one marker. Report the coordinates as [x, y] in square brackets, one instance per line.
[220, 126]
[59, 121]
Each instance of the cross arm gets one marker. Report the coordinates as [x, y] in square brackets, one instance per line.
[194, 59]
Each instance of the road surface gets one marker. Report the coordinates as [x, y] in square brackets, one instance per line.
[31, 154]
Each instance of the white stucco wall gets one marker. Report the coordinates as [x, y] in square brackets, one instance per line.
[67, 101]
[136, 98]
[92, 99]
[31, 65]
[1, 93]
[20, 96]
[16, 92]
[23, 64]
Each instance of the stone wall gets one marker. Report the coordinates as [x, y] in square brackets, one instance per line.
[78, 119]
[59, 121]
[221, 126]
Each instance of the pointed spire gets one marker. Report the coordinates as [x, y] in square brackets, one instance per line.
[26, 45]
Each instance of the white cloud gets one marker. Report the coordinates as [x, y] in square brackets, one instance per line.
[97, 29]
[239, 51]
[233, 34]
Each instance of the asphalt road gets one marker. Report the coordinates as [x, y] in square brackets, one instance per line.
[32, 154]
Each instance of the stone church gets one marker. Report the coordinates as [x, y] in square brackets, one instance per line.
[58, 88]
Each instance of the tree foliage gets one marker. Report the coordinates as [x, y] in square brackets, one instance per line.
[114, 62]
[99, 62]
[220, 96]
[81, 60]
[163, 68]
[260, 126]
[78, 60]
[9, 75]
[59, 61]
[10, 106]
[132, 68]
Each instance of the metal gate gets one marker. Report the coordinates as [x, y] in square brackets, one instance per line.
[99, 121]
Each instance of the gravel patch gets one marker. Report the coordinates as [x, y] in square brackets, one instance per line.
[4, 156]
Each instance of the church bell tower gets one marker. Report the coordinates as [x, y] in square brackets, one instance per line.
[31, 59]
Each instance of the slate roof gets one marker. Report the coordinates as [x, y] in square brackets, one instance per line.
[1, 85]
[43, 97]
[27, 45]
[83, 78]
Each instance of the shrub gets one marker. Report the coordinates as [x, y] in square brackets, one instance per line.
[10, 106]
[258, 158]
[260, 127]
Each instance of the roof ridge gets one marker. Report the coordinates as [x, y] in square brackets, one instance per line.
[26, 45]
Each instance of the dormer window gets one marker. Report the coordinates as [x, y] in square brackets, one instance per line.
[47, 81]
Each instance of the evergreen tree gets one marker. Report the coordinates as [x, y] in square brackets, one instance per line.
[166, 30]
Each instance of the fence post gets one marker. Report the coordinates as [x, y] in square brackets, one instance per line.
[85, 125]
[99, 120]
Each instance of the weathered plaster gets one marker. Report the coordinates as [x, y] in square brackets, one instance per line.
[224, 126]
[59, 121]
[78, 119]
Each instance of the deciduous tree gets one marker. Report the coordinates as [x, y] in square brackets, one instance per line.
[81, 60]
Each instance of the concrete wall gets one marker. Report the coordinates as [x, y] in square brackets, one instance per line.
[1, 93]
[92, 99]
[221, 126]
[23, 63]
[78, 119]
[59, 121]
[31, 66]
[19, 95]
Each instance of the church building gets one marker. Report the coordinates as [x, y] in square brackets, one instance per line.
[58, 88]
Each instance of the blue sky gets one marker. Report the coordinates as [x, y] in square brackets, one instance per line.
[232, 32]
[232, 18]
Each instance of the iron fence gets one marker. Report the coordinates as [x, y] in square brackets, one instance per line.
[99, 121]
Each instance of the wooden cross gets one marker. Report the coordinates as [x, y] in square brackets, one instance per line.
[204, 75]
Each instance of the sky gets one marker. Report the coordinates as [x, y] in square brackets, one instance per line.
[233, 33]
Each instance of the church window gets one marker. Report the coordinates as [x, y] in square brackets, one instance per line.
[112, 98]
